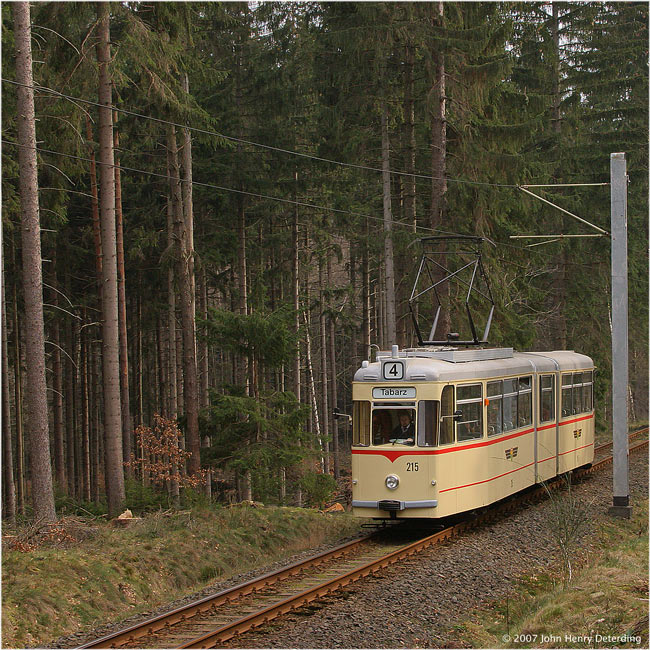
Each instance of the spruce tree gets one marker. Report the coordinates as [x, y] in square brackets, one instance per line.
[36, 395]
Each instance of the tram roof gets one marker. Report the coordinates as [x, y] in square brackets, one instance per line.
[458, 365]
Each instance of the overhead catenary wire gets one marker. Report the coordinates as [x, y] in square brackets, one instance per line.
[521, 187]
[290, 152]
[546, 236]
[557, 207]
[216, 187]
[567, 185]
[254, 194]
[449, 179]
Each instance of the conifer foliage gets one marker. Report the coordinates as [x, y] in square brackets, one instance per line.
[189, 321]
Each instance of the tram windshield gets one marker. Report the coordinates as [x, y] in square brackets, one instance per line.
[393, 425]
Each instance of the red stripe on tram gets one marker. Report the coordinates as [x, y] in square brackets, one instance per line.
[392, 456]
[487, 480]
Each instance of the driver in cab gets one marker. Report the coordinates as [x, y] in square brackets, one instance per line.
[404, 433]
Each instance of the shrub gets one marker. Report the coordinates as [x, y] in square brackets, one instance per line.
[318, 488]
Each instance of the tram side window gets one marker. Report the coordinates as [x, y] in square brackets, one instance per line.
[510, 404]
[577, 392]
[587, 391]
[470, 402]
[567, 408]
[428, 423]
[546, 398]
[495, 408]
[361, 424]
[447, 415]
[525, 402]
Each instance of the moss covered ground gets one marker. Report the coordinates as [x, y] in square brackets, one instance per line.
[90, 573]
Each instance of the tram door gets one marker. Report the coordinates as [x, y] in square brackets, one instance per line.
[547, 428]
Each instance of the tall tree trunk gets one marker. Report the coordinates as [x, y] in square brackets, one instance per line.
[295, 294]
[243, 369]
[78, 409]
[139, 373]
[353, 281]
[185, 272]
[409, 186]
[159, 391]
[171, 319]
[188, 207]
[127, 420]
[96, 440]
[18, 401]
[202, 342]
[438, 164]
[163, 364]
[94, 202]
[334, 397]
[389, 270]
[312, 395]
[70, 378]
[438, 130]
[36, 393]
[323, 368]
[557, 98]
[242, 306]
[8, 483]
[409, 137]
[85, 415]
[95, 433]
[556, 125]
[561, 300]
[110, 330]
[180, 395]
[57, 386]
[93, 419]
[169, 395]
[365, 281]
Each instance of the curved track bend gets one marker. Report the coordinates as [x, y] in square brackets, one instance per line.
[217, 618]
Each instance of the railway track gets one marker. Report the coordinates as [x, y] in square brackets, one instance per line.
[217, 618]
[632, 436]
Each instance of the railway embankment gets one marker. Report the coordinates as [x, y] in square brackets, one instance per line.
[84, 574]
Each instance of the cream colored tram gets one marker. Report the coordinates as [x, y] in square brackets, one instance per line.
[476, 425]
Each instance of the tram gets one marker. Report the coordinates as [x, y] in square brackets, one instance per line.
[442, 431]
[453, 425]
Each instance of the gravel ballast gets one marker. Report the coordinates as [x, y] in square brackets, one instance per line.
[418, 602]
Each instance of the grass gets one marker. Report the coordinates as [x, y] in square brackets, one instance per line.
[604, 606]
[56, 590]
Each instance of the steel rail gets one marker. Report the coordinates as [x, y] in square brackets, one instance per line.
[607, 461]
[303, 598]
[631, 436]
[226, 631]
[186, 612]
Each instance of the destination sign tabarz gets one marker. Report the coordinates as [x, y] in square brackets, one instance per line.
[393, 392]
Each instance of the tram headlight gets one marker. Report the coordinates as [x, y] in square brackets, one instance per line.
[392, 481]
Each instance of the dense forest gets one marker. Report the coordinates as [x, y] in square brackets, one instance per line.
[229, 198]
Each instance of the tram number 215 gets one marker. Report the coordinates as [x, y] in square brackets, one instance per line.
[412, 467]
